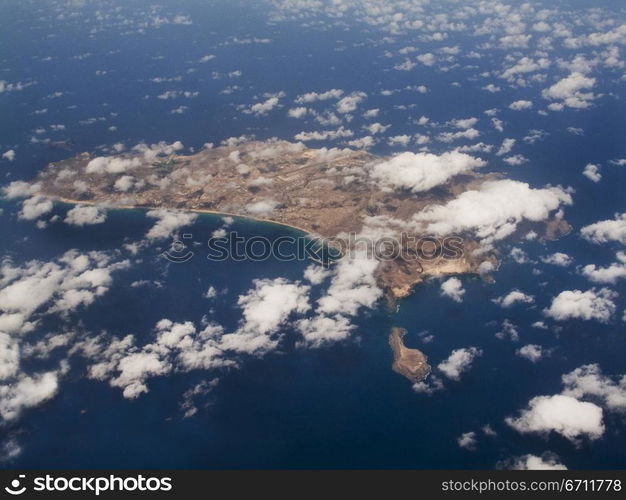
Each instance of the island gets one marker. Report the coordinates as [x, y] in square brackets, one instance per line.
[411, 363]
[324, 192]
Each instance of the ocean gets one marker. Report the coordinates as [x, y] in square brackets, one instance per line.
[339, 406]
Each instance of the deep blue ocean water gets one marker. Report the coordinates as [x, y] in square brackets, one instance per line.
[338, 406]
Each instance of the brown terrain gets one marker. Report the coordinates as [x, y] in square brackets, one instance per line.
[323, 192]
[411, 363]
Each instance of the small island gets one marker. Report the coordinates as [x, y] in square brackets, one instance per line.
[411, 363]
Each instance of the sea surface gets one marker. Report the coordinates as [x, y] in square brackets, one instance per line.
[337, 406]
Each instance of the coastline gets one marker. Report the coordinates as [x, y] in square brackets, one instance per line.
[70, 201]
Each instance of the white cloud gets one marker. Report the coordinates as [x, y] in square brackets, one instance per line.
[9, 155]
[320, 330]
[315, 274]
[608, 274]
[564, 415]
[9, 356]
[324, 135]
[467, 441]
[349, 103]
[575, 304]
[520, 105]
[262, 208]
[508, 331]
[265, 308]
[111, 165]
[26, 392]
[606, 230]
[493, 210]
[427, 59]
[168, 221]
[588, 380]
[353, 286]
[459, 361]
[569, 91]
[557, 259]
[323, 96]
[516, 160]
[531, 352]
[506, 147]
[82, 215]
[547, 461]
[447, 137]
[298, 112]
[453, 288]
[20, 189]
[592, 172]
[262, 108]
[514, 297]
[525, 65]
[423, 171]
[34, 207]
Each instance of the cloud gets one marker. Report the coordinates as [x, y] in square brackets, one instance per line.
[324, 135]
[168, 221]
[531, 352]
[321, 330]
[547, 461]
[298, 112]
[608, 274]
[606, 230]
[520, 105]
[453, 288]
[265, 308]
[34, 207]
[349, 103]
[9, 356]
[592, 172]
[153, 151]
[557, 259]
[353, 286]
[111, 165]
[316, 274]
[516, 160]
[82, 215]
[423, 171]
[429, 386]
[427, 59]
[508, 331]
[262, 108]
[564, 415]
[9, 155]
[523, 66]
[493, 210]
[470, 133]
[26, 392]
[63, 285]
[569, 91]
[575, 304]
[459, 361]
[467, 441]
[20, 189]
[323, 96]
[514, 297]
[506, 147]
[588, 380]
[262, 208]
